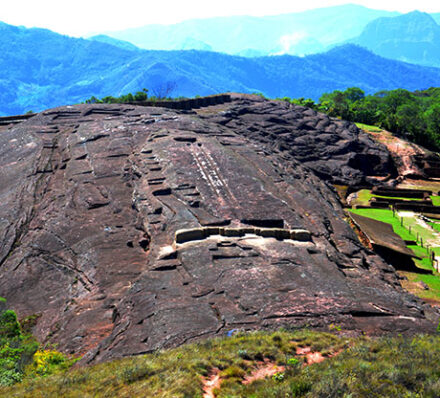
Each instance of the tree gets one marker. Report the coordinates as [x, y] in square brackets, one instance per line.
[432, 119]
[163, 90]
[354, 94]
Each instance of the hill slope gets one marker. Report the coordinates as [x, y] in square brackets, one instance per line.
[413, 37]
[114, 42]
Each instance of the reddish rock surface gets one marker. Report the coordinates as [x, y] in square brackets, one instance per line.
[92, 195]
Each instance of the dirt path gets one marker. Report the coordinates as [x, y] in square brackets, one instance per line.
[311, 357]
[431, 237]
[211, 383]
[262, 370]
[435, 240]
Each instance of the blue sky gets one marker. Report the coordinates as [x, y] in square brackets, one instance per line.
[83, 17]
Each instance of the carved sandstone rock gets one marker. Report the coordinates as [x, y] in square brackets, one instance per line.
[93, 197]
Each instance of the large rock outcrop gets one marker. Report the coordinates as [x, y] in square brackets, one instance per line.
[128, 228]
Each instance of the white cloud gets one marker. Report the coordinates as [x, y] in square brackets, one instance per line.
[85, 16]
[288, 42]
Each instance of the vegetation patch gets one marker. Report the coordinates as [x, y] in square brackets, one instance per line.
[373, 367]
[369, 128]
[21, 356]
[416, 115]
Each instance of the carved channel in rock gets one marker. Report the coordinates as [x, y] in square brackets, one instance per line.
[187, 235]
[268, 223]
[162, 192]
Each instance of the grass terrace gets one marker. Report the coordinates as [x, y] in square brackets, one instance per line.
[363, 198]
[403, 223]
[369, 128]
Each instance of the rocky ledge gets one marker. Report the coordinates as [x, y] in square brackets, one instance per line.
[125, 229]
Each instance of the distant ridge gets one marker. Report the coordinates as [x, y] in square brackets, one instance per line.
[114, 42]
[299, 33]
[413, 37]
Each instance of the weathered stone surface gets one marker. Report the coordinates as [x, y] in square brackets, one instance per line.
[92, 197]
[335, 149]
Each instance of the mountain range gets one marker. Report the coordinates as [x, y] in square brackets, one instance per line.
[295, 34]
[43, 69]
[412, 37]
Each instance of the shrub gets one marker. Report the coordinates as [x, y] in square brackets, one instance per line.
[9, 326]
[16, 350]
[47, 362]
[293, 362]
[278, 377]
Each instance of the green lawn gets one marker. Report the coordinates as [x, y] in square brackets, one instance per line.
[364, 196]
[402, 229]
[432, 280]
[385, 215]
[435, 200]
[435, 225]
[367, 127]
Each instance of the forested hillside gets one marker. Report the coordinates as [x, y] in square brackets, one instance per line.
[415, 115]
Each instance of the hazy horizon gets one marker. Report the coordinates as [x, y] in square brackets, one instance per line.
[86, 18]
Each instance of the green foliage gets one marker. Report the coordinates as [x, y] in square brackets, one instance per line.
[47, 362]
[415, 115]
[278, 376]
[309, 103]
[293, 362]
[20, 356]
[139, 96]
[9, 326]
[16, 349]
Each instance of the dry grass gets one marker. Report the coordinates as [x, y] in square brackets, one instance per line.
[364, 367]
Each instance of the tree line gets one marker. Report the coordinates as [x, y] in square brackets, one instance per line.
[123, 99]
[413, 115]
